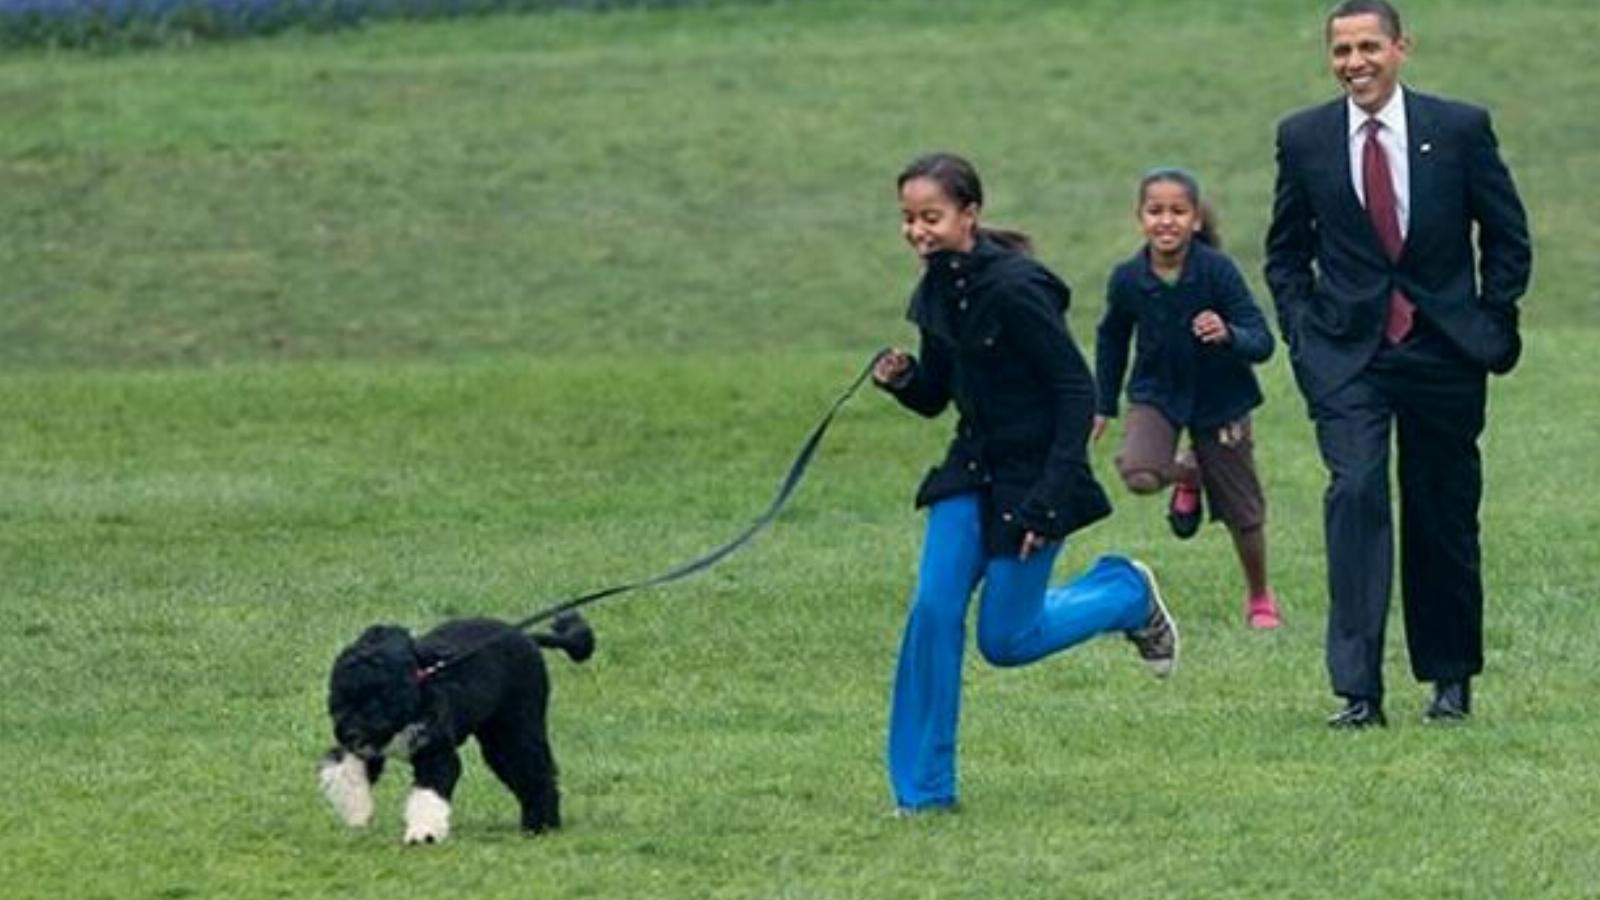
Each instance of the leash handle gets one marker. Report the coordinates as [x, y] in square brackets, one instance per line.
[791, 481]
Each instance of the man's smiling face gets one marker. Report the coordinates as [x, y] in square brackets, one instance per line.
[1366, 59]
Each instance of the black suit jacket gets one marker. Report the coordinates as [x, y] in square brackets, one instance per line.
[1329, 276]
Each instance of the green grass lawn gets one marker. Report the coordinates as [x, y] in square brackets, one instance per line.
[185, 551]
[710, 180]
[305, 334]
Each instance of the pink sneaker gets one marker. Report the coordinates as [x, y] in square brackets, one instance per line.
[1262, 612]
[1184, 511]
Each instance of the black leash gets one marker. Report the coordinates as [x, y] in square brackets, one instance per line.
[791, 481]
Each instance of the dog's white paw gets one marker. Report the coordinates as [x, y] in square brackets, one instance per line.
[343, 778]
[427, 817]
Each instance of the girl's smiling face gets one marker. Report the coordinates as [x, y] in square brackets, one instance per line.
[1169, 217]
[931, 220]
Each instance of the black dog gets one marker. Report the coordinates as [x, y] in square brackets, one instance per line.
[385, 702]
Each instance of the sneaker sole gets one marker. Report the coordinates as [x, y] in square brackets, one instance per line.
[1161, 668]
[1263, 618]
[1183, 527]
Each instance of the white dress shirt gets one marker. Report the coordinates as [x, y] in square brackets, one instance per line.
[1392, 136]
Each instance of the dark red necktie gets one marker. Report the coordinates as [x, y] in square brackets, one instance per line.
[1385, 216]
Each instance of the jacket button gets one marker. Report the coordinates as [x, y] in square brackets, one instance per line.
[972, 467]
[988, 342]
[961, 282]
[961, 304]
[955, 263]
[1051, 514]
[1006, 517]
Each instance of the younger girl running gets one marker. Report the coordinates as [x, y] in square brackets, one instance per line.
[1199, 331]
[1014, 482]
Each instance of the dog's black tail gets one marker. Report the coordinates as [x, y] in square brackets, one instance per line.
[569, 633]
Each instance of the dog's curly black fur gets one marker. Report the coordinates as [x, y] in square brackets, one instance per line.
[384, 705]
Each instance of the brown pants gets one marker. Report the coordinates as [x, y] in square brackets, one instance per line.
[1225, 455]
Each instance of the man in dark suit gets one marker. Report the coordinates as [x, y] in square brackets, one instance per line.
[1393, 323]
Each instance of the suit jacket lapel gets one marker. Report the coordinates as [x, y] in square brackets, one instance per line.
[1421, 132]
[1335, 140]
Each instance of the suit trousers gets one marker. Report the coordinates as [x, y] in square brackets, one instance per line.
[1020, 619]
[1431, 398]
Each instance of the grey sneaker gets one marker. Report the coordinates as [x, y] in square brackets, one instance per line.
[1157, 641]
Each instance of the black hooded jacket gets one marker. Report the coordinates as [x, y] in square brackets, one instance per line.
[994, 341]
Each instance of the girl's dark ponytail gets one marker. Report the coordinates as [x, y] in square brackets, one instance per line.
[1009, 239]
[1210, 233]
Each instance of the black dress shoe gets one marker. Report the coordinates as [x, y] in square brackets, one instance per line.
[1452, 701]
[1358, 712]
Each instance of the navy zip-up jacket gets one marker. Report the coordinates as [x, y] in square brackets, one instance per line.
[995, 344]
[1194, 385]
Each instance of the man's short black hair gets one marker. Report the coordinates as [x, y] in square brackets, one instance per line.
[1388, 16]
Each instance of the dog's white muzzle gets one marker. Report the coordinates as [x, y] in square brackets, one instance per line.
[405, 742]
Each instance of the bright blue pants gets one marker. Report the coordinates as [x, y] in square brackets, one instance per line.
[1019, 621]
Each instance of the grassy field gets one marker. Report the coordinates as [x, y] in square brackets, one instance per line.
[303, 334]
[706, 181]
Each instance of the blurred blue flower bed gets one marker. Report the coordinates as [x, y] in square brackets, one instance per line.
[123, 23]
